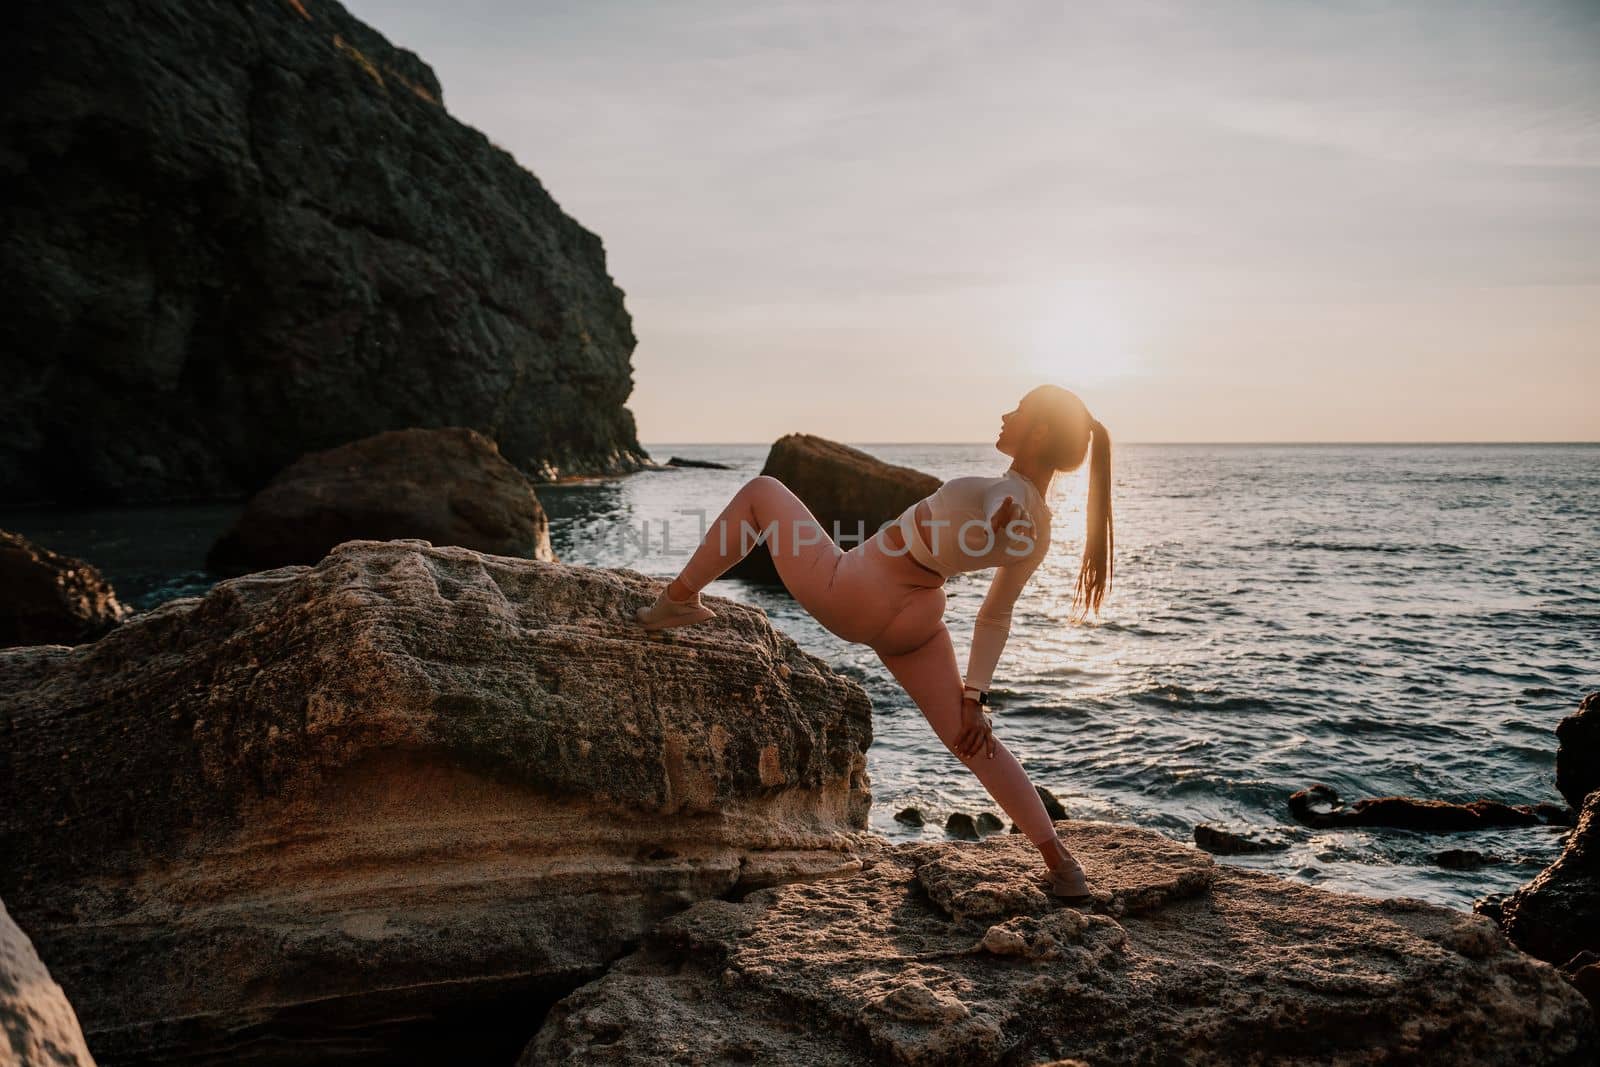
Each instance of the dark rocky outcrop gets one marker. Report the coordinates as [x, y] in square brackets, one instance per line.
[1557, 915]
[1222, 842]
[1465, 859]
[1578, 752]
[953, 954]
[448, 487]
[1319, 807]
[51, 599]
[38, 1027]
[234, 232]
[851, 493]
[961, 825]
[400, 800]
[679, 461]
[910, 817]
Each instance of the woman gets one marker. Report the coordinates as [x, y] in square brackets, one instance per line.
[888, 593]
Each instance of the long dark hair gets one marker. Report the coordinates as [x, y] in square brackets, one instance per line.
[1094, 572]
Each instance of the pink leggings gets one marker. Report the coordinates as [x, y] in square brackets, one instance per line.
[871, 595]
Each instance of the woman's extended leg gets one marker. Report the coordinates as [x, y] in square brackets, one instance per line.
[930, 675]
[807, 559]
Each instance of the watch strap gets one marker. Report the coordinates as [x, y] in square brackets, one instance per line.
[979, 695]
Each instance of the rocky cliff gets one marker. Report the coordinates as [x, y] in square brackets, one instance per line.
[400, 800]
[235, 231]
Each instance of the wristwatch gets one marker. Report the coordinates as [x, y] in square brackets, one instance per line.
[979, 695]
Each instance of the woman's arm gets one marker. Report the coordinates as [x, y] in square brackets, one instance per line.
[993, 625]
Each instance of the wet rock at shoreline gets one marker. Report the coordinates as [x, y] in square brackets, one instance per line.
[234, 233]
[1052, 806]
[1227, 843]
[952, 954]
[910, 817]
[447, 487]
[324, 814]
[1465, 859]
[38, 1027]
[1557, 915]
[1319, 807]
[1578, 752]
[51, 599]
[679, 461]
[961, 825]
[842, 486]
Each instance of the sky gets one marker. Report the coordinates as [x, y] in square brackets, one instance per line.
[1222, 221]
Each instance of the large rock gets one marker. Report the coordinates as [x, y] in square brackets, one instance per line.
[1578, 752]
[1557, 915]
[850, 492]
[409, 795]
[953, 954]
[38, 1027]
[232, 233]
[448, 487]
[51, 599]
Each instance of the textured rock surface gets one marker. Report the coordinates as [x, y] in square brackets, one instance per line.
[1557, 915]
[321, 809]
[1578, 752]
[38, 1028]
[841, 485]
[447, 487]
[1180, 962]
[232, 233]
[51, 599]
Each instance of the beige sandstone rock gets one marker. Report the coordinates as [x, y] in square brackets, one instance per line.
[409, 794]
[38, 1028]
[951, 954]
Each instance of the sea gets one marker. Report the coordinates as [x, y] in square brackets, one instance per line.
[1384, 619]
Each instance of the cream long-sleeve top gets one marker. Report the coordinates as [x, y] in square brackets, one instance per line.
[960, 539]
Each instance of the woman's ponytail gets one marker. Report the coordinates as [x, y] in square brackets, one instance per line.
[1094, 572]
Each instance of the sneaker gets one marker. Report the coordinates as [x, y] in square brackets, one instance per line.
[666, 612]
[1068, 881]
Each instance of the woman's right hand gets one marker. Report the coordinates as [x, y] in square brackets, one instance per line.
[977, 733]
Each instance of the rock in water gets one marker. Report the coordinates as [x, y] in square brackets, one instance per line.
[408, 794]
[952, 954]
[1052, 806]
[38, 1028]
[841, 486]
[51, 599]
[448, 487]
[961, 825]
[1578, 752]
[1227, 843]
[1557, 915]
[910, 817]
[1319, 807]
[232, 233]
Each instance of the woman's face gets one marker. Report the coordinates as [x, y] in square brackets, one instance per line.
[1013, 430]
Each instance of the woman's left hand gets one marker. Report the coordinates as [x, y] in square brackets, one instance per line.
[977, 733]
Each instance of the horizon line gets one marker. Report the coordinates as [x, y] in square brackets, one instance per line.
[1166, 443]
